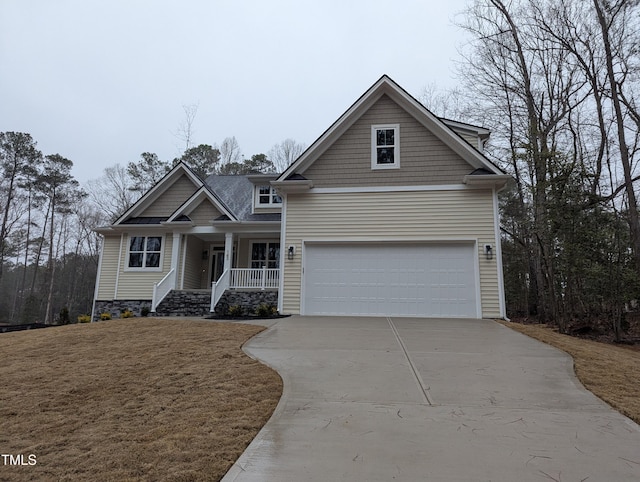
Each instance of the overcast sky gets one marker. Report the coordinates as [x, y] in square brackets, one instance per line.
[101, 81]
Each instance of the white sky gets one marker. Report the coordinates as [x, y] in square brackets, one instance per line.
[101, 81]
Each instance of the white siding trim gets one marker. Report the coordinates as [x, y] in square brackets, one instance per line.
[184, 261]
[339, 190]
[115, 289]
[501, 294]
[303, 309]
[96, 290]
[283, 230]
[476, 258]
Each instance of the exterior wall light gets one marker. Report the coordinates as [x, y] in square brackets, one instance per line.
[291, 252]
[488, 251]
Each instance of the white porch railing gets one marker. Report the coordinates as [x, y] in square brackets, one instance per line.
[239, 278]
[162, 288]
[218, 288]
[261, 278]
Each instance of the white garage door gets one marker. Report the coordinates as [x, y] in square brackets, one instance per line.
[434, 280]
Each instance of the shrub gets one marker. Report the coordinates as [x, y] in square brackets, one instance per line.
[105, 316]
[235, 310]
[264, 309]
[64, 316]
[145, 310]
[84, 318]
[127, 314]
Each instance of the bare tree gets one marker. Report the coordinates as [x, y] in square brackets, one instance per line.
[285, 153]
[113, 192]
[612, 18]
[448, 103]
[230, 151]
[185, 131]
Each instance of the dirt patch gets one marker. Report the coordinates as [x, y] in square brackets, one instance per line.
[136, 399]
[612, 372]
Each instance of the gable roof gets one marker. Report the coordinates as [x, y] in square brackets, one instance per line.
[386, 86]
[194, 201]
[163, 184]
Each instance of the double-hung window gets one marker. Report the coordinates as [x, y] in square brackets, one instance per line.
[145, 252]
[266, 196]
[265, 254]
[385, 146]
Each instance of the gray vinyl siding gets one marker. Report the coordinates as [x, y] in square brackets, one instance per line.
[204, 214]
[108, 268]
[172, 198]
[392, 216]
[424, 159]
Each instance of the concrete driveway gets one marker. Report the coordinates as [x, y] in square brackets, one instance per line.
[375, 399]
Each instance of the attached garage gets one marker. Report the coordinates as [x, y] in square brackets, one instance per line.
[391, 279]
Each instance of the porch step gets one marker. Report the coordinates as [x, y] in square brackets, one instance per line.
[185, 303]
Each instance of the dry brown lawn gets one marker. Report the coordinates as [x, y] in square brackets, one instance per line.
[612, 372]
[136, 399]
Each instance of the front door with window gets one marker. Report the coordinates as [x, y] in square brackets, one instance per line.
[217, 263]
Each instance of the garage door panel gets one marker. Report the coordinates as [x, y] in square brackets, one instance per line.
[390, 280]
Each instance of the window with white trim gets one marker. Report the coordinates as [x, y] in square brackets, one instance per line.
[385, 146]
[265, 254]
[266, 196]
[145, 252]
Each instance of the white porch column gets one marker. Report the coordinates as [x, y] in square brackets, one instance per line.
[228, 251]
[175, 257]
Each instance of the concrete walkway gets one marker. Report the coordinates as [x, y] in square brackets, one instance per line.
[375, 399]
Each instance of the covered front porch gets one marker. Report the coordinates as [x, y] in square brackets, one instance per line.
[212, 263]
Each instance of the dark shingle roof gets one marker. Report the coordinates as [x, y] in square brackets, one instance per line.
[236, 192]
[145, 220]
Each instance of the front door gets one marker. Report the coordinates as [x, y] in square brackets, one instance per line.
[217, 263]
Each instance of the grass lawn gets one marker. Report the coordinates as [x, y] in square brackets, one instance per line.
[135, 399]
[612, 372]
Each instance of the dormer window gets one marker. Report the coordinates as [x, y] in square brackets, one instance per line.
[266, 196]
[385, 146]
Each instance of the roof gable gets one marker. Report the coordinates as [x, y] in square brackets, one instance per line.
[202, 201]
[424, 158]
[386, 86]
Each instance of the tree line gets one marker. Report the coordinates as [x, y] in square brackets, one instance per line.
[557, 83]
[48, 249]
